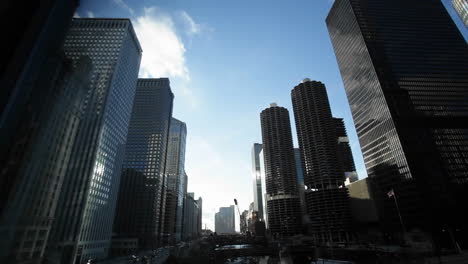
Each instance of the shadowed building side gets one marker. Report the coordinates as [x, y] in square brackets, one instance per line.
[145, 160]
[345, 156]
[82, 228]
[409, 104]
[282, 198]
[326, 197]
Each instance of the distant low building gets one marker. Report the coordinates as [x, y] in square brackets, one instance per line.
[363, 210]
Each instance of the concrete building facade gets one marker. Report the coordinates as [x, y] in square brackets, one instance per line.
[283, 202]
[326, 198]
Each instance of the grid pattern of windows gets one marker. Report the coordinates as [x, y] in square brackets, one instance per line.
[52, 129]
[225, 220]
[83, 226]
[175, 186]
[403, 64]
[145, 156]
[345, 156]
[283, 205]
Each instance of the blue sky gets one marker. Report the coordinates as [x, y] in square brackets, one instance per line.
[227, 60]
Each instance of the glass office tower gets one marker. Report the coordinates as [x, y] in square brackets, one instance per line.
[283, 205]
[175, 186]
[345, 156]
[257, 180]
[51, 130]
[404, 67]
[35, 81]
[461, 6]
[83, 225]
[225, 221]
[192, 217]
[140, 210]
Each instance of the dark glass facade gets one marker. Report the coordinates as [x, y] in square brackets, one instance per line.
[143, 175]
[28, 215]
[35, 34]
[192, 217]
[35, 81]
[282, 198]
[82, 227]
[175, 186]
[345, 156]
[403, 65]
[326, 197]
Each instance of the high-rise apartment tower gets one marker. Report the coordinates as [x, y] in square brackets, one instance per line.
[326, 198]
[283, 205]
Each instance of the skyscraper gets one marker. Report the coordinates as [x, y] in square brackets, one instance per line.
[225, 222]
[461, 6]
[200, 216]
[326, 197]
[403, 65]
[38, 166]
[33, 42]
[264, 190]
[85, 213]
[175, 185]
[192, 217]
[345, 156]
[300, 180]
[140, 210]
[283, 205]
[257, 180]
[35, 79]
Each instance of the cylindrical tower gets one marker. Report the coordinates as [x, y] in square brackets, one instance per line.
[283, 206]
[326, 196]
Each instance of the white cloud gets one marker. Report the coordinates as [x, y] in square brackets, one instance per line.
[163, 49]
[192, 28]
[123, 5]
[90, 14]
[76, 15]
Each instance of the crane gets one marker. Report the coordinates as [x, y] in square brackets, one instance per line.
[240, 216]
